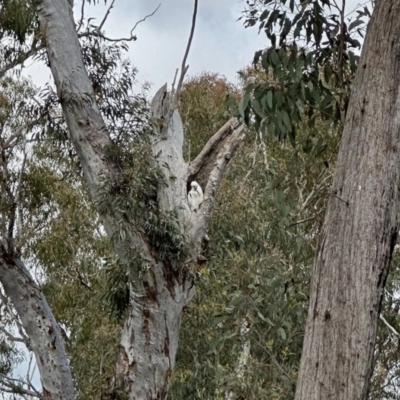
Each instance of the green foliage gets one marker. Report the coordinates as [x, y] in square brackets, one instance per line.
[309, 65]
[134, 196]
[62, 239]
[253, 293]
[17, 19]
[71, 254]
[202, 111]
[386, 376]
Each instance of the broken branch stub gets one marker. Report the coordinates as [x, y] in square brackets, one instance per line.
[207, 169]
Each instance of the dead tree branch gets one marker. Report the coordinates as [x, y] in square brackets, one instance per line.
[185, 67]
[97, 31]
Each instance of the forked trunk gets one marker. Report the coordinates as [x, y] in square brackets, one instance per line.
[159, 293]
[361, 225]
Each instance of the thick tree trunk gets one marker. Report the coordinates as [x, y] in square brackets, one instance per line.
[149, 340]
[40, 326]
[361, 225]
[158, 295]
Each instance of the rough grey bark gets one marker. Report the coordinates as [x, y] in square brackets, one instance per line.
[150, 335]
[40, 326]
[360, 228]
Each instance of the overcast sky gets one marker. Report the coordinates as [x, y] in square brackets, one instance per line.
[221, 43]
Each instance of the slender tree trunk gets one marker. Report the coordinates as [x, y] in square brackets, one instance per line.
[361, 225]
[41, 327]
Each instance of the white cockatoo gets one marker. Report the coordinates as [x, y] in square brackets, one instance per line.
[195, 196]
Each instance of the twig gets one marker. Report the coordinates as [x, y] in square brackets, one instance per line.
[173, 82]
[306, 219]
[82, 16]
[274, 360]
[184, 68]
[339, 198]
[29, 366]
[388, 325]
[253, 163]
[81, 280]
[15, 318]
[29, 375]
[15, 385]
[9, 142]
[144, 19]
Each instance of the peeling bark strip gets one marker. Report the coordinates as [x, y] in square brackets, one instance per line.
[357, 239]
[41, 327]
[150, 335]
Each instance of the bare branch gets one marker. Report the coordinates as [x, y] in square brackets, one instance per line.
[97, 32]
[210, 147]
[184, 68]
[11, 383]
[21, 58]
[82, 16]
[9, 142]
[100, 35]
[98, 29]
[19, 235]
[11, 337]
[46, 341]
[144, 19]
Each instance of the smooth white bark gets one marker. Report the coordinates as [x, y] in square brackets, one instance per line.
[157, 297]
[40, 326]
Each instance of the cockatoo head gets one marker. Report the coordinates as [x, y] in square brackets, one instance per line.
[194, 185]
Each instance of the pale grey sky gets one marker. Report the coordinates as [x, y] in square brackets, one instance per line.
[221, 43]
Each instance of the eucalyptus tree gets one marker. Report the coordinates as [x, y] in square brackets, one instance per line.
[250, 306]
[158, 242]
[359, 234]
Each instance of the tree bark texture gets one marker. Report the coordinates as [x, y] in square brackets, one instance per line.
[40, 326]
[360, 228]
[158, 295]
[150, 335]
[149, 339]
